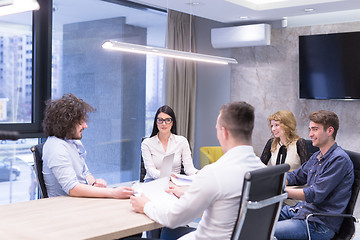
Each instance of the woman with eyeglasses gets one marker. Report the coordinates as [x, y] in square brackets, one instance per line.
[164, 141]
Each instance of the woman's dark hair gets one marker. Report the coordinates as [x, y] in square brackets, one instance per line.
[164, 109]
[62, 115]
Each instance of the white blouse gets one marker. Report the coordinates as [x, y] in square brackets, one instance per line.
[153, 153]
[292, 157]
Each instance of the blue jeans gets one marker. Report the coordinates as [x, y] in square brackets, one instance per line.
[288, 228]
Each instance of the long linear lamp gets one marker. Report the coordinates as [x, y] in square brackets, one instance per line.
[8, 7]
[135, 48]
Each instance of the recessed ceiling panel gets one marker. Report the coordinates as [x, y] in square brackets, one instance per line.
[275, 4]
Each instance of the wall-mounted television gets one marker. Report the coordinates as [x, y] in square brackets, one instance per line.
[329, 66]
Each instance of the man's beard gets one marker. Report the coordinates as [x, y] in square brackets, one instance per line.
[76, 135]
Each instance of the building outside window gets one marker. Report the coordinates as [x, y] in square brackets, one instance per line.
[16, 176]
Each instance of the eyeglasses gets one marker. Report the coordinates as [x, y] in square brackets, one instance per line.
[166, 120]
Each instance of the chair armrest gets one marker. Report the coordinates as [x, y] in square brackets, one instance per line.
[333, 215]
[327, 215]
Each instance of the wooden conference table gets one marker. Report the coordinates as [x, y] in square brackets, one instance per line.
[72, 218]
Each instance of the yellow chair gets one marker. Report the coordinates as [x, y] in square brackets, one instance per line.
[209, 155]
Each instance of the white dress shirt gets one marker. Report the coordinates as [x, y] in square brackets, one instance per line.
[153, 153]
[215, 193]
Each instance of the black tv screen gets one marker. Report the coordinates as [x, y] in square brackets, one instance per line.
[329, 66]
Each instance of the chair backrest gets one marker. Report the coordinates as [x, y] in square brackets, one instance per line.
[261, 201]
[38, 163]
[142, 170]
[210, 154]
[347, 228]
[310, 148]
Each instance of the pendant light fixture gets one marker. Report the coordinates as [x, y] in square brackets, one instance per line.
[165, 52]
[8, 7]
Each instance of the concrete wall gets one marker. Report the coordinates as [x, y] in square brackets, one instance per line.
[268, 78]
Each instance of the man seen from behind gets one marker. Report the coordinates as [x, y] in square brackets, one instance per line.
[216, 189]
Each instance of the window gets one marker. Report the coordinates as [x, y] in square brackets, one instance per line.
[14, 32]
[125, 89]
[17, 179]
[16, 112]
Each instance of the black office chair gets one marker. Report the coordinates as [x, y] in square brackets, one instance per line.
[261, 201]
[310, 148]
[38, 166]
[142, 170]
[347, 228]
[142, 166]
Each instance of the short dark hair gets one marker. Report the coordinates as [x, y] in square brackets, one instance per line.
[327, 119]
[62, 115]
[238, 118]
[164, 109]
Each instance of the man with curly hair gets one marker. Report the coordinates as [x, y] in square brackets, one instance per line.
[64, 168]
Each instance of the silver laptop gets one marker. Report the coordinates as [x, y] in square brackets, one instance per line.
[166, 166]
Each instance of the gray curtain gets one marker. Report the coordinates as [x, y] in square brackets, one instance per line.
[181, 75]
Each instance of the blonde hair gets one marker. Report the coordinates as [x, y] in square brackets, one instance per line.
[288, 123]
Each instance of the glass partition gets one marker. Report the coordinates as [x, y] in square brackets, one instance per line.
[126, 89]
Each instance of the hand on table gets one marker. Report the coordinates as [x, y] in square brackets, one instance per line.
[122, 192]
[176, 190]
[100, 183]
[139, 202]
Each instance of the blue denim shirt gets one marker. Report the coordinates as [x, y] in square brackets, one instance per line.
[329, 179]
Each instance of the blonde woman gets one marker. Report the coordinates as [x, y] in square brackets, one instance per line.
[285, 146]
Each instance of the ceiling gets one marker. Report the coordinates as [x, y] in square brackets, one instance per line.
[296, 12]
[227, 11]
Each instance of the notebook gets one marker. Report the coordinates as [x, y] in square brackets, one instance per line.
[166, 166]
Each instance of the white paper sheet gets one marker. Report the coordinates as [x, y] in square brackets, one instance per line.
[155, 190]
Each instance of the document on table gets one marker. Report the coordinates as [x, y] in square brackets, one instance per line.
[155, 190]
